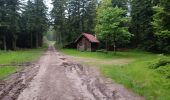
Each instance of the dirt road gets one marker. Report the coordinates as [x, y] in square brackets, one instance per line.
[59, 78]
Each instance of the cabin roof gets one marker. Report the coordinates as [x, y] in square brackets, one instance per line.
[90, 37]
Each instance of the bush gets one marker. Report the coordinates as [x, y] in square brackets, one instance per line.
[162, 66]
[163, 61]
[165, 70]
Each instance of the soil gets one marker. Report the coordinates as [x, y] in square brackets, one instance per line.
[93, 61]
[56, 77]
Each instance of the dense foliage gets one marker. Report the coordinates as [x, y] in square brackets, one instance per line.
[22, 25]
[143, 23]
[150, 25]
[71, 17]
[141, 26]
[111, 26]
[161, 25]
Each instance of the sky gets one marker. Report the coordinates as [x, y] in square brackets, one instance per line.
[48, 4]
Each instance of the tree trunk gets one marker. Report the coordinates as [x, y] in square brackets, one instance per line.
[14, 42]
[4, 43]
[114, 45]
[106, 45]
[36, 40]
[31, 40]
[61, 40]
[40, 40]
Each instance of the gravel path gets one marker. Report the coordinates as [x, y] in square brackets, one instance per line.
[59, 78]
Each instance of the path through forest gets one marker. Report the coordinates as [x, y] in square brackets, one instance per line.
[59, 78]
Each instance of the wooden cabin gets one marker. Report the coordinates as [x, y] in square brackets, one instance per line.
[87, 42]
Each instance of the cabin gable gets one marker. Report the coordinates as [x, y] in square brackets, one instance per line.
[85, 44]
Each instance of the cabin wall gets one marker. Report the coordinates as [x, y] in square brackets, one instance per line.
[84, 44]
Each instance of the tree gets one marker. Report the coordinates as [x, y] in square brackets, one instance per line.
[161, 25]
[141, 26]
[120, 3]
[28, 25]
[111, 24]
[3, 25]
[41, 21]
[22, 25]
[34, 24]
[12, 18]
[90, 16]
[58, 14]
[72, 17]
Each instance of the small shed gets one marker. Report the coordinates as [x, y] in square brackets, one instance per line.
[87, 42]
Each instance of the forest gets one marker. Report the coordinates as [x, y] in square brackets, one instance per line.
[142, 24]
[130, 40]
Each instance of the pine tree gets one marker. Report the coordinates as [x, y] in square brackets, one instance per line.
[72, 17]
[28, 24]
[120, 3]
[141, 25]
[12, 7]
[162, 25]
[34, 22]
[3, 25]
[41, 21]
[58, 15]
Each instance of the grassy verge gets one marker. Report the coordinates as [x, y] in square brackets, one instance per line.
[17, 57]
[136, 75]
[5, 71]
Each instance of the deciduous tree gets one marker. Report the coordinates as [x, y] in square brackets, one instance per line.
[111, 24]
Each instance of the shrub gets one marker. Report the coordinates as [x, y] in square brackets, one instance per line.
[165, 70]
[163, 61]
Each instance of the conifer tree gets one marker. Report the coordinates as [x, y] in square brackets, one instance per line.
[141, 26]
[162, 25]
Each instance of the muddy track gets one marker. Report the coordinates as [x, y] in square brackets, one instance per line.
[11, 87]
[61, 78]
[95, 87]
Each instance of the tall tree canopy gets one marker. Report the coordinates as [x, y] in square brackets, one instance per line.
[9, 24]
[111, 24]
[120, 3]
[162, 25]
[58, 15]
[22, 26]
[71, 17]
[141, 26]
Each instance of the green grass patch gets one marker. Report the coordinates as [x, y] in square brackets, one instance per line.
[20, 56]
[137, 75]
[5, 71]
[17, 57]
[109, 55]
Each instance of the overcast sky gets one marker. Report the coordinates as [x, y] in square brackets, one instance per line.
[49, 5]
[47, 2]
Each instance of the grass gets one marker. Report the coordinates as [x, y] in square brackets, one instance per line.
[5, 71]
[17, 57]
[110, 55]
[136, 75]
